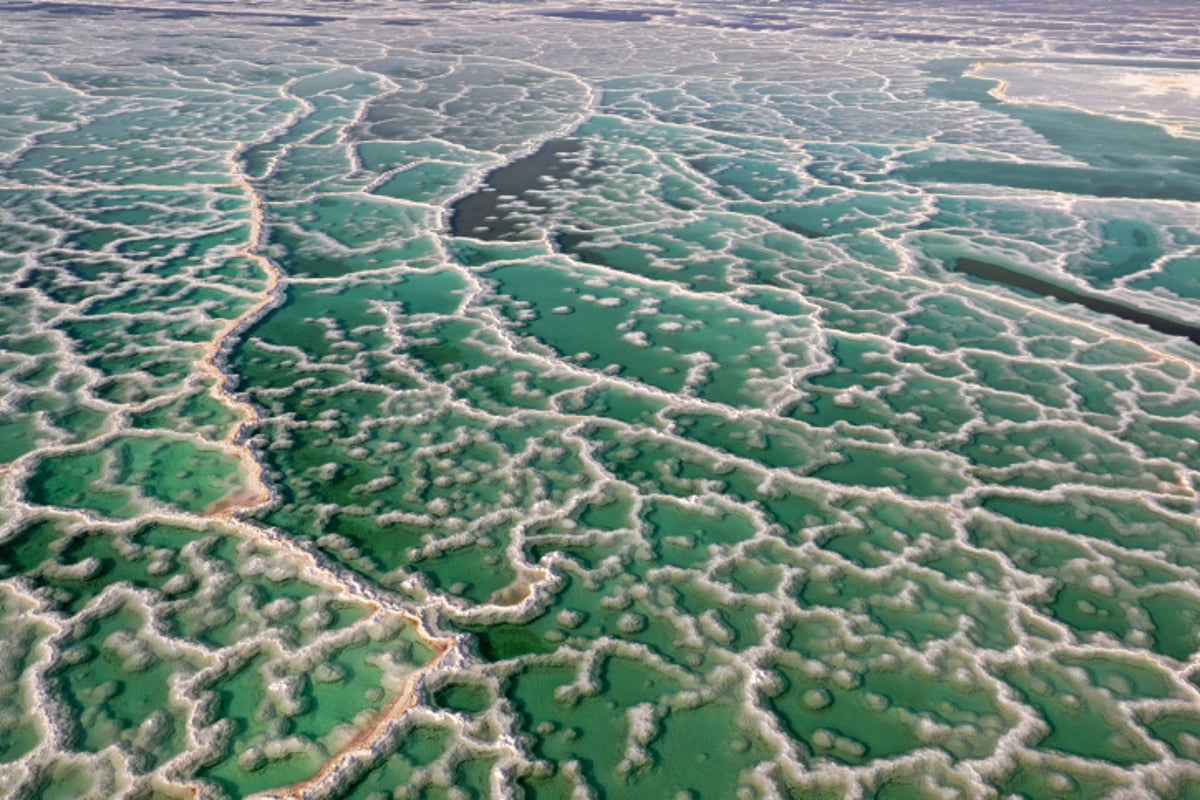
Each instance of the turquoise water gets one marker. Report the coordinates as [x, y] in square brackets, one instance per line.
[700, 401]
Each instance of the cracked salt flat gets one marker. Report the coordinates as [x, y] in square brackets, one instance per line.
[690, 467]
[1165, 96]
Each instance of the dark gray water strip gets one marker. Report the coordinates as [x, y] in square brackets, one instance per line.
[488, 213]
[1019, 280]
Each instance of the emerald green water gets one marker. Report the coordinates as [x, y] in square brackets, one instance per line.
[690, 402]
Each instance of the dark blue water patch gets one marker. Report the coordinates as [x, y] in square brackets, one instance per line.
[501, 208]
[272, 18]
[294, 22]
[611, 15]
[75, 9]
[995, 273]
[939, 38]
